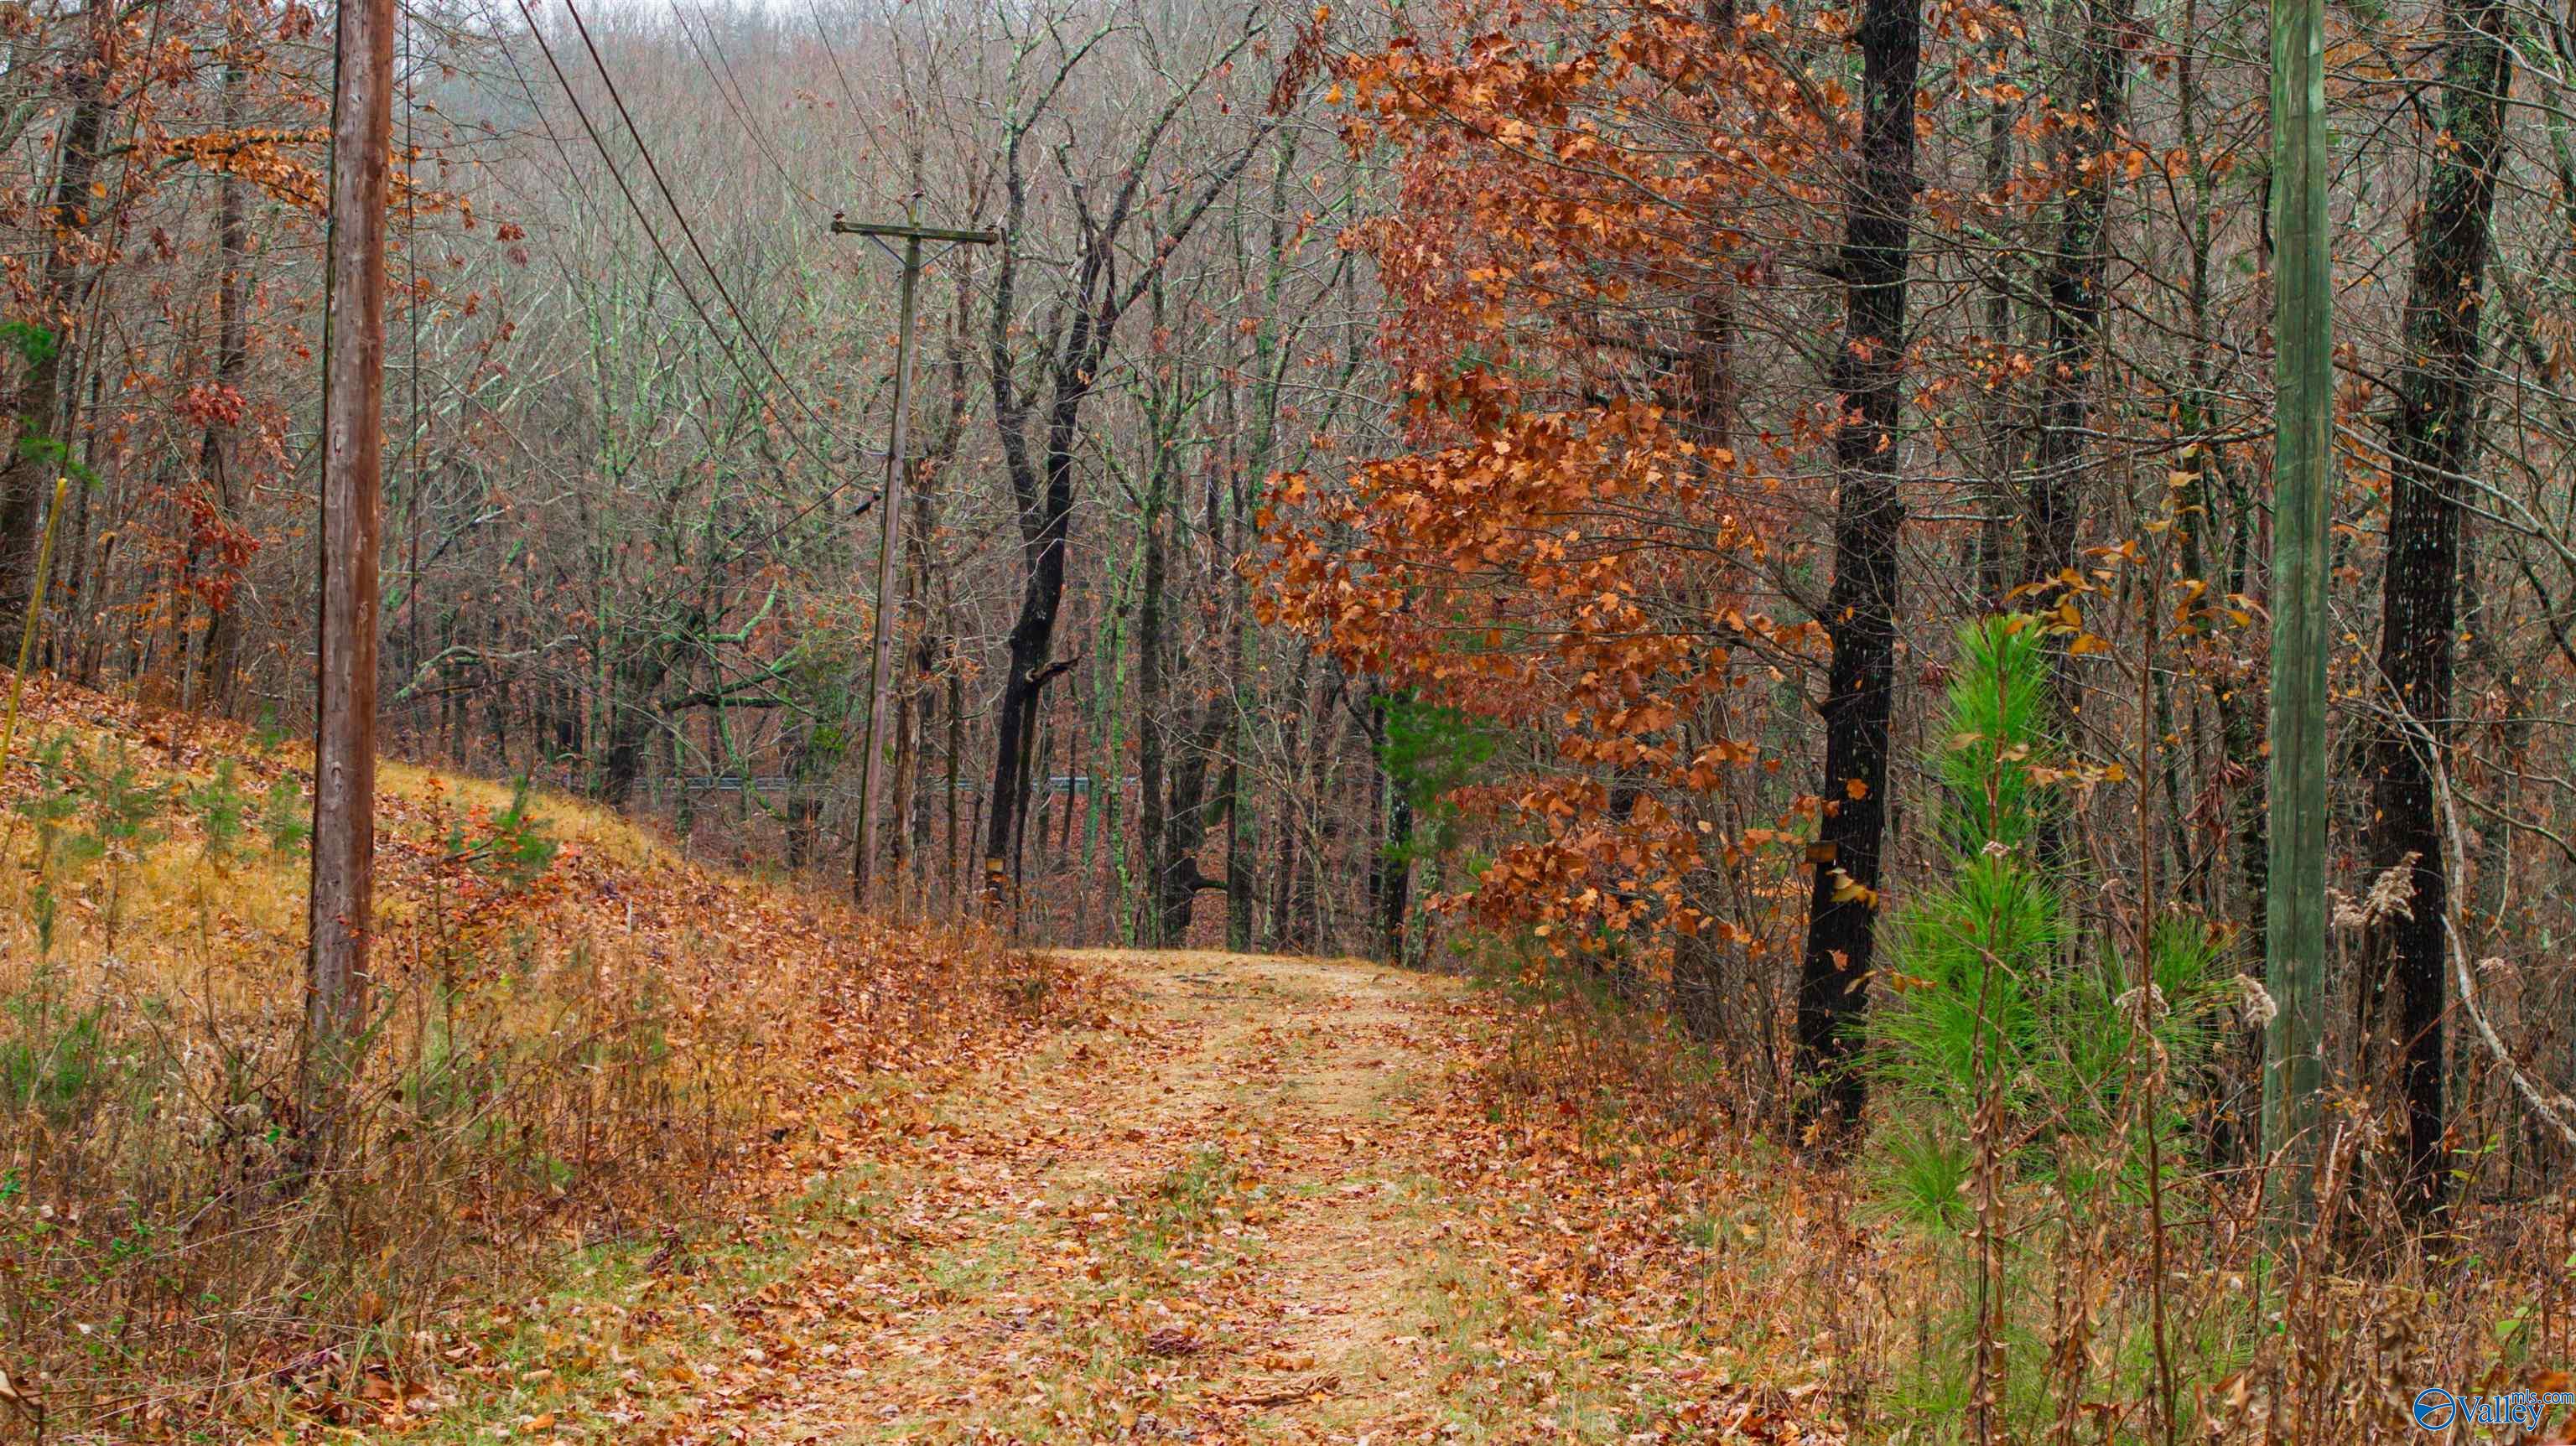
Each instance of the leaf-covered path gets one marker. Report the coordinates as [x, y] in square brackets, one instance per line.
[1208, 1220]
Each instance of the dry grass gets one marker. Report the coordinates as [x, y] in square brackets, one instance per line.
[576, 1036]
[1856, 1320]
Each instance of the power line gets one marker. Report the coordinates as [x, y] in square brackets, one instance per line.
[815, 8]
[614, 174]
[734, 98]
[686, 230]
[678, 277]
[690, 233]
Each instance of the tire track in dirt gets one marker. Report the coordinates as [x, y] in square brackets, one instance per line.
[1342, 1060]
[1206, 1221]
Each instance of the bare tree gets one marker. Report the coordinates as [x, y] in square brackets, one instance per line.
[2433, 444]
[1041, 423]
[1842, 928]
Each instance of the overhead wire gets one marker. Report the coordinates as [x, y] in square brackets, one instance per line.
[690, 233]
[758, 139]
[609, 162]
[815, 9]
[678, 276]
[729, 90]
[655, 170]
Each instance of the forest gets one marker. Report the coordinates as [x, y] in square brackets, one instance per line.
[1500, 720]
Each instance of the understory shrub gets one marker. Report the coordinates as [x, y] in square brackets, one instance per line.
[573, 1037]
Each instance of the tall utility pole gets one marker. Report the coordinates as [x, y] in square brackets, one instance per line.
[2303, 456]
[353, 386]
[889, 506]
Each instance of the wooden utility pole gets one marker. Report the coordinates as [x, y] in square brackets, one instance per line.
[2303, 455]
[889, 507]
[353, 384]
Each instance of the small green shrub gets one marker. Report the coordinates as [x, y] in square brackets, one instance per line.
[54, 1057]
[221, 809]
[45, 910]
[285, 818]
[1990, 989]
[511, 845]
[1994, 998]
[55, 802]
[118, 808]
[34, 344]
[1430, 750]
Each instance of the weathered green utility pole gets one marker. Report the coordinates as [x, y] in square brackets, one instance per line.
[2302, 467]
[889, 505]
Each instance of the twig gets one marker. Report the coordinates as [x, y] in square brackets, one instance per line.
[2541, 1102]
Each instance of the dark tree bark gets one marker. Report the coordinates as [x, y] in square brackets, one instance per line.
[1391, 866]
[2075, 305]
[1861, 611]
[1395, 891]
[217, 456]
[1042, 484]
[803, 831]
[631, 713]
[1046, 520]
[1178, 878]
[1155, 803]
[2432, 443]
[27, 476]
[1174, 769]
[1042, 475]
[1996, 285]
[1241, 835]
[811, 755]
[952, 757]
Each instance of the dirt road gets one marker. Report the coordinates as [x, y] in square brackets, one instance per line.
[1207, 1221]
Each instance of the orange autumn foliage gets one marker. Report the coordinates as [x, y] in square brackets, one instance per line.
[1578, 542]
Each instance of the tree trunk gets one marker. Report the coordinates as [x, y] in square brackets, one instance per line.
[804, 825]
[2075, 306]
[2433, 443]
[1391, 870]
[622, 761]
[1242, 836]
[1043, 485]
[1152, 817]
[216, 458]
[28, 475]
[1045, 538]
[911, 787]
[955, 751]
[1178, 879]
[1861, 613]
[908, 719]
[809, 767]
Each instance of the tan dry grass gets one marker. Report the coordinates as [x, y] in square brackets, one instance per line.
[610, 1046]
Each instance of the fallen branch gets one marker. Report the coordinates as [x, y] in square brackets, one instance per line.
[2552, 1107]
